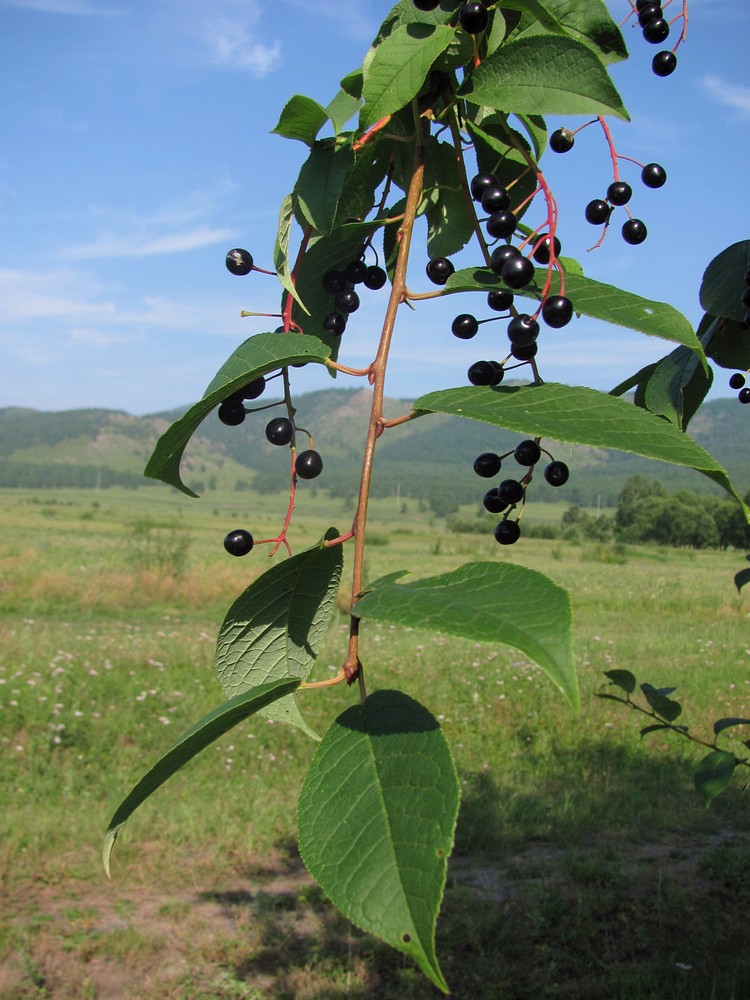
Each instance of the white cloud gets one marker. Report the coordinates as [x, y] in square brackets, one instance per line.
[77, 8]
[110, 245]
[214, 33]
[731, 95]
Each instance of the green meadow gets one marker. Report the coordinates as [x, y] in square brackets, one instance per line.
[585, 863]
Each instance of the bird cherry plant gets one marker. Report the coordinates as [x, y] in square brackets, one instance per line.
[438, 137]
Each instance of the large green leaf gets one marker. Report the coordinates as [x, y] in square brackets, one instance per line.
[724, 282]
[399, 67]
[276, 627]
[551, 75]
[589, 22]
[577, 415]
[726, 341]
[255, 357]
[377, 813]
[341, 109]
[596, 299]
[486, 602]
[713, 774]
[449, 225]
[321, 182]
[197, 738]
[301, 118]
[281, 247]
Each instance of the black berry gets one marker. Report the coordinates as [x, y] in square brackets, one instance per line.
[647, 12]
[464, 326]
[501, 225]
[499, 300]
[597, 212]
[522, 330]
[375, 277]
[634, 232]
[511, 491]
[439, 269]
[561, 140]
[542, 248]
[507, 532]
[480, 182]
[527, 452]
[556, 473]
[334, 323]
[347, 301]
[524, 352]
[487, 464]
[473, 17]
[500, 255]
[426, 4]
[356, 271]
[517, 272]
[239, 261]
[656, 31]
[334, 281]
[308, 465]
[744, 395]
[232, 412]
[485, 373]
[495, 199]
[664, 63]
[619, 193]
[737, 381]
[557, 311]
[239, 542]
[280, 430]
[492, 501]
[654, 175]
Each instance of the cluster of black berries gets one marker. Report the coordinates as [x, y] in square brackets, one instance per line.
[504, 499]
[473, 17]
[341, 284]
[737, 381]
[655, 31]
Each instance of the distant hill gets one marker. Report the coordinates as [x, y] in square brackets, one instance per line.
[428, 459]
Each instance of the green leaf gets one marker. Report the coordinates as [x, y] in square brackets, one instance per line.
[536, 129]
[654, 728]
[713, 774]
[377, 814]
[486, 602]
[281, 247]
[676, 387]
[321, 182]
[721, 724]
[660, 703]
[622, 679]
[255, 357]
[449, 225]
[197, 738]
[601, 301]
[276, 627]
[589, 22]
[724, 282]
[552, 75]
[729, 342]
[301, 118]
[741, 579]
[399, 67]
[342, 109]
[577, 415]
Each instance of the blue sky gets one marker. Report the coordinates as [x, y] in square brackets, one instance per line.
[137, 151]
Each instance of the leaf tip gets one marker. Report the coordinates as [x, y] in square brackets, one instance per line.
[109, 842]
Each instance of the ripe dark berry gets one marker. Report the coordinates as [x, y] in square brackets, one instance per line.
[495, 199]
[619, 193]
[334, 323]
[308, 465]
[280, 430]
[480, 182]
[511, 491]
[250, 391]
[744, 395]
[634, 232]
[487, 464]
[527, 452]
[484, 373]
[517, 272]
[524, 352]
[561, 140]
[334, 281]
[232, 412]
[375, 277]
[499, 300]
[473, 17]
[426, 4]
[347, 301]
[522, 330]
[507, 532]
[239, 261]
[654, 175]
[656, 31]
[464, 326]
[597, 212]
[647, 12]
[239, 542]
[664, 63]
[356, 271]
[492, 501]
[502, 254]
[746, 298]
[542, 248]
[556, 473]
[501, 225]
[557, 311]
[640, 4]
[439, 269]
[737, 381]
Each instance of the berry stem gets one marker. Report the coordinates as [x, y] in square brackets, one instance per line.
[612, 151]
[457, 144]
[373, 130]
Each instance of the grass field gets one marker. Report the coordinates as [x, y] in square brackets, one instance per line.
[585, 864]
